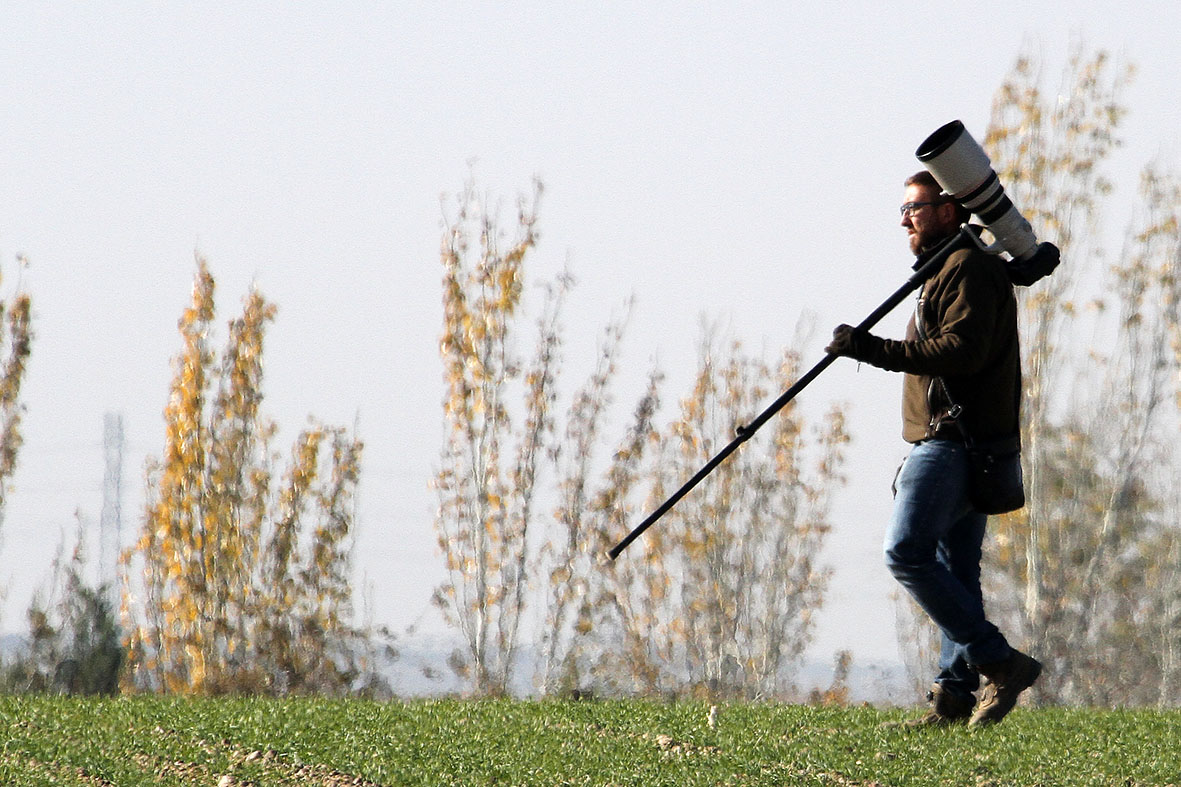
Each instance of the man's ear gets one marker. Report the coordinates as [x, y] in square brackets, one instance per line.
[948, 213]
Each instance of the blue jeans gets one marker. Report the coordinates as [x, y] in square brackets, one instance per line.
[933, 548]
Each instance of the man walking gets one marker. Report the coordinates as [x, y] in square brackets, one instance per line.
[962, 369]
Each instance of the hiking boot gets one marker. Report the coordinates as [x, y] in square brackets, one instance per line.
[947, 708]
[1006, 680]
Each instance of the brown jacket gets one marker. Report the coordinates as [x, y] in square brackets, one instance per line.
[969, 320]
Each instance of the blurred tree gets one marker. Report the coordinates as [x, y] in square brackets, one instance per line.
[73, 644]
[306, 640]
[229, 599]
[721, 597]
[487, 479]
[1162, 620]
[721, 600]
[1080, 556]
[15, 345]
[569, 558]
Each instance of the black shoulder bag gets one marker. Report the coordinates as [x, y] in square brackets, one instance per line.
[995, 481]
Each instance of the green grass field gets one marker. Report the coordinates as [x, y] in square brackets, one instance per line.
[67, 741]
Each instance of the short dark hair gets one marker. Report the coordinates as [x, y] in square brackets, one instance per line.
[924, 179]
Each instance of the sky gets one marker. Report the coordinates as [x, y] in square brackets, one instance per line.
[734, 162]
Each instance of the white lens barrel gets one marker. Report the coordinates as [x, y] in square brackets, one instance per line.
[959, 165]
[963, 170]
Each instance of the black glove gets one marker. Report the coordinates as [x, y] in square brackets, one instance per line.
[849, 341]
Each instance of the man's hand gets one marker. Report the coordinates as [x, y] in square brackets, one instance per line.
[848, 341]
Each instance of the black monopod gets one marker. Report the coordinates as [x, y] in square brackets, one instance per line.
[926, 267]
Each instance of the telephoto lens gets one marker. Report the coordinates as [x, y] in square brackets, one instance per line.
[963, 170]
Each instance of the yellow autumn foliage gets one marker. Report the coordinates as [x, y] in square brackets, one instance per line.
[226, 599]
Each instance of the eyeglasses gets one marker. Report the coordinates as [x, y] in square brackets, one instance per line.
[911, 208]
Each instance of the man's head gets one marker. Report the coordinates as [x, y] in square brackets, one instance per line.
[928, 214]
